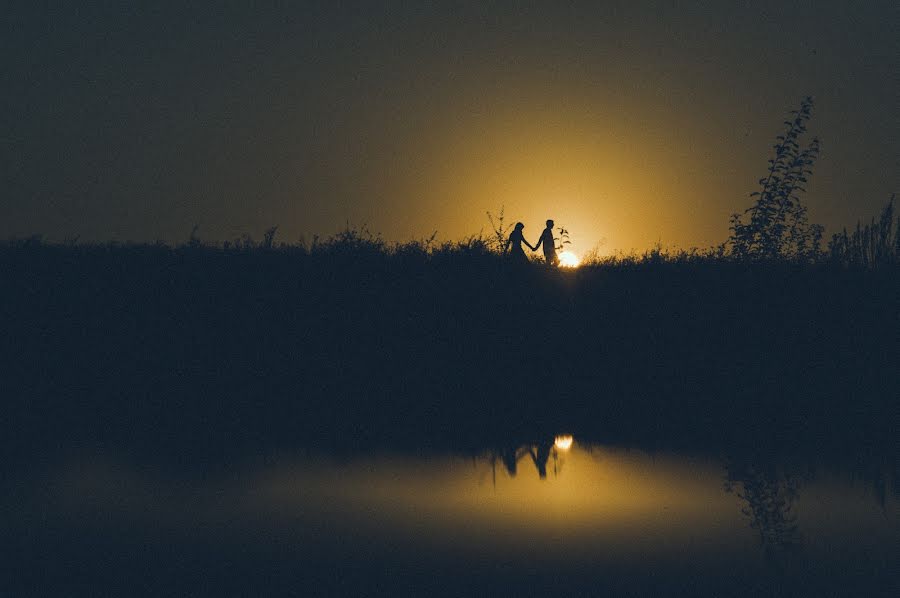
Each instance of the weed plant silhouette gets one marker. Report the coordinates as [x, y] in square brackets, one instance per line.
[563, 238]
[499, 230]
[777, 225]
[269, 238]
[194, 240]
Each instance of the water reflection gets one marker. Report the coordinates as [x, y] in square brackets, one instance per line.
[540, 453]
[534, 504]
[769, 497]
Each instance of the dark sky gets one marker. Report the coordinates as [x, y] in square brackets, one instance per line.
[626, 121]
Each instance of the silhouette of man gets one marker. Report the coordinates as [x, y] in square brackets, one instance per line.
[549, 244]
[516, 238]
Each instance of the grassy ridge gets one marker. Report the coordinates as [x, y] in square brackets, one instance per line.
[207, 350]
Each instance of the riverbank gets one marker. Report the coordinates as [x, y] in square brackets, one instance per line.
[201, 352]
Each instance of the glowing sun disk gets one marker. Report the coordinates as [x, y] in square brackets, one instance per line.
[567, 259]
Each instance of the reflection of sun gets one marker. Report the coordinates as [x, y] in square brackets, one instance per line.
[563, 442]
[567, 259]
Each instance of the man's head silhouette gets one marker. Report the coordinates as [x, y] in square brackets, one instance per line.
[519, 226]
[549, 224]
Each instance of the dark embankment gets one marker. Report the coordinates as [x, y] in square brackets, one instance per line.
[202, 354]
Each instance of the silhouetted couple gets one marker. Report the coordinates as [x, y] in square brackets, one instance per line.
[514, 250]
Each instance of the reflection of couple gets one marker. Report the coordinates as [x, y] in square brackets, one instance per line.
[516, 238]
[539, 454]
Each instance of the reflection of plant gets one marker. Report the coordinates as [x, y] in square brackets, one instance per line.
[769, 501]
[777, 226]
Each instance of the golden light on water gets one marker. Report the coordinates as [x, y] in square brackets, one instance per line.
[603, 503]
[567, 259]
[563, 442]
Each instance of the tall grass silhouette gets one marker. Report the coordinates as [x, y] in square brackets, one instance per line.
[873, 245]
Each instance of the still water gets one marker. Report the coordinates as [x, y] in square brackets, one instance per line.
[564, 518]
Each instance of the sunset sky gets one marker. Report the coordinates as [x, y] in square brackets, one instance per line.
[627, 122]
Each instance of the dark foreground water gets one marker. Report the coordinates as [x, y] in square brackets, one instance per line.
[536, 519]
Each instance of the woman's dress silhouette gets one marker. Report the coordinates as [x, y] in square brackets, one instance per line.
[513, 248]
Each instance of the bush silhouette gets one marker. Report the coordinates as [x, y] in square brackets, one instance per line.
[776, 225]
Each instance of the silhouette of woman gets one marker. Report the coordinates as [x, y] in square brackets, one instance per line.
[517, 254]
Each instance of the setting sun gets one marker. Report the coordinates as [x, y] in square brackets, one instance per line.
[567, 259]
